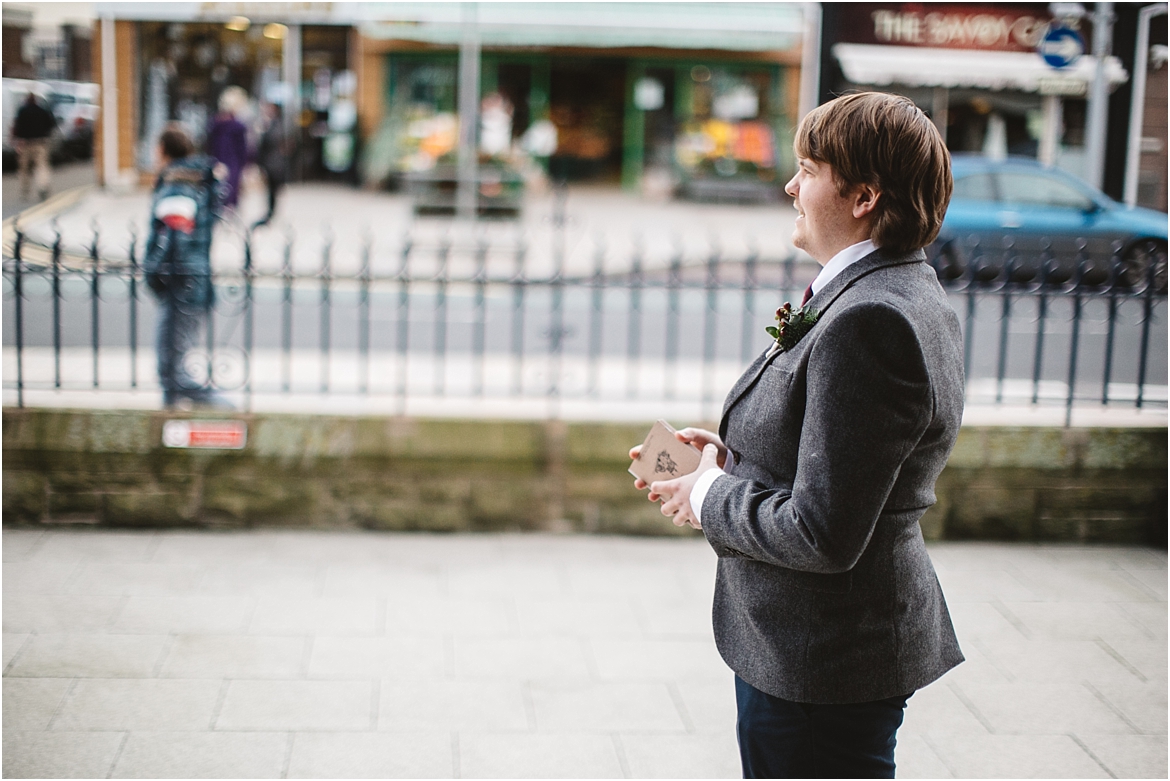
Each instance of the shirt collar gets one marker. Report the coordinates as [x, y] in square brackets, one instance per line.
[841, 261]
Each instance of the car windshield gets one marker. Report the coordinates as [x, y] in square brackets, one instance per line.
[1028, 189]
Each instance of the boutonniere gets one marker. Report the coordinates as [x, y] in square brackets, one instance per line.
[791, 325]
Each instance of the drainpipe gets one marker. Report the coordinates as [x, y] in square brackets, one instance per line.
[810, 60]
[1137, 101]
[290, 66]
[109, 105]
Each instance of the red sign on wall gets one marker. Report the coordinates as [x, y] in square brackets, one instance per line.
[209, 434]
[987, 26]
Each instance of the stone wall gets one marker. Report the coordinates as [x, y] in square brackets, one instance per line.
[110, 468]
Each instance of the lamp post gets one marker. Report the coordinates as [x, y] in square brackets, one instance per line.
[1098, 109]
[465, 195]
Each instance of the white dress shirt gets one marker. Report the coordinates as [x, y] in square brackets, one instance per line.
[838, 263]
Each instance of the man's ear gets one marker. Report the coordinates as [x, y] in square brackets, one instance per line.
[865, 200]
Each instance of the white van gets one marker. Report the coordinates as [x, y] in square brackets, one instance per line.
[73, 103]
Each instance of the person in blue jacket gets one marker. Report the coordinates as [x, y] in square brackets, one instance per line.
[186, 202]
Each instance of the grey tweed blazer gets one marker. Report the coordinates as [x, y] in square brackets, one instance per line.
[825, 592]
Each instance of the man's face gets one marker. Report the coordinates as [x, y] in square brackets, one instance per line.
[824, 217]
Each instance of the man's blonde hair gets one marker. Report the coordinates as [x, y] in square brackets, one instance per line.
[886, 142]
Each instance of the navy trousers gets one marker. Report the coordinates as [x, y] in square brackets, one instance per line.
[782, 739]
[183, 303]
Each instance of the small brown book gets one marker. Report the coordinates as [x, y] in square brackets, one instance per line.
[663, 457]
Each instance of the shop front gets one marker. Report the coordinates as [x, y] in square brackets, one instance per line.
[698, 99]
[172, 62]
[976, 70]
[702, 107]
[714, 128]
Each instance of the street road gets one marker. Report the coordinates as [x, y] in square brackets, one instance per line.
[457, 322]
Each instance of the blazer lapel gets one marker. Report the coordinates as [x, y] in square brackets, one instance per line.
[820, 301]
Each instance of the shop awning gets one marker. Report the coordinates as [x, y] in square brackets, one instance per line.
[735, 26]
[731, 26]
[958, 68]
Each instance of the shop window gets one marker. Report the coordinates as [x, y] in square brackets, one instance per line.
[994, 123]
[514, 84]
[1072, 122]
[727, 130]
[422, 124]
[185, 67]
[328, 118]
[586, 104]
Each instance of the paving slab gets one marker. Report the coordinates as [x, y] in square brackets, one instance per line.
[203, 755]
[13, 643]
[223, 657]
[590, 706]
[171, 614]
[444, 704]
[59, 612]
[680, 756]
[74, 655]
[35, 754]
[379, 657]
[31, 703]
[355, 654]
[1127, 756]
[510, 755]
[325, 615]
[137, 705]
[1017, 756]
[297, 705]
[372, 755]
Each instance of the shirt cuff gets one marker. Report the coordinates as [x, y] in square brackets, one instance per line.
[729, 462]
[699, 492]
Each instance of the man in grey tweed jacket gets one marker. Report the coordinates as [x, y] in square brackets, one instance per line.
[827, 606]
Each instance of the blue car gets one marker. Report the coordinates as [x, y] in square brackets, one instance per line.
[1020, 221]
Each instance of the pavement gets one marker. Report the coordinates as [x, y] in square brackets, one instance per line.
[305, 654]
[64, 176]
[588, 219]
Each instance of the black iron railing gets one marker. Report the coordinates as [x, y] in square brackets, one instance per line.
[470, 320]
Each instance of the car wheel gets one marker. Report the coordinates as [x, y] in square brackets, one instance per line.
[1139, 260]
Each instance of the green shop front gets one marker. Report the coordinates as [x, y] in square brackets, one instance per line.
[703, 109]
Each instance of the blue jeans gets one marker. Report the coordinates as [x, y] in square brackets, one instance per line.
[782, 739]
[183, 304]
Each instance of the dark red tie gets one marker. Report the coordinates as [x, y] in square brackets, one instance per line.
[807, 295]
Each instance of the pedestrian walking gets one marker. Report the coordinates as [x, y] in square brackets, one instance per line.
[185, 204]
[827, 607]
[227, 140]
[31, 131]
[272, 155]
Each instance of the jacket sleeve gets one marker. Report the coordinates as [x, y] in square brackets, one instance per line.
[868, 402]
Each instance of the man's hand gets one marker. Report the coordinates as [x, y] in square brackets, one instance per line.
[700, 438]
[676, 493]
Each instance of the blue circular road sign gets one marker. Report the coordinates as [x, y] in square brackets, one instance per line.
[1061, 46]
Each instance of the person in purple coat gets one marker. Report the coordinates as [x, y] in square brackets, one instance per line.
[227, 140]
